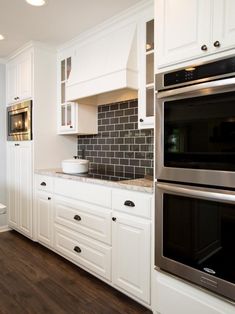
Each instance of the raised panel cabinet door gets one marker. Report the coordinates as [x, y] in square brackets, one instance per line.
[24, 77]
[12, 92]
[131, 255]
[182, 30]
[44, 218]
[12, 185]
[223, 24]
[25, 188]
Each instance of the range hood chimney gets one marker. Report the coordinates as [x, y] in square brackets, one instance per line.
[104, 69]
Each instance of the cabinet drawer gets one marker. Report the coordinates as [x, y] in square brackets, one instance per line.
[82, 191]
[44, 183]
[88, 219]
[134, 203]
[82, 250]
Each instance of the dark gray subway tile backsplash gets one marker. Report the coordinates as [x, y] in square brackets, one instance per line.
[119, 149]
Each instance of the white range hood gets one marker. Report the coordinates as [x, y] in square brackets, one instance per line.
[104, 66]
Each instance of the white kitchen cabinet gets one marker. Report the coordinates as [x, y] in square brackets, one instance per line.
[102, 229]
[131, 255]
[19, 78]
[73, 117]
[84, 251]
[44, 208]
[20, 185]
[172, 295]
[191, 29]
[91, 220]
[146, 70]
[131, 230]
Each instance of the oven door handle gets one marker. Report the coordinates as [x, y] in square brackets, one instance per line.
[202, 89]
[224, 196]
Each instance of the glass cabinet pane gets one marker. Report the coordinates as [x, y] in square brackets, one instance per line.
[149, 102]
[149, 68]
[150, 35]
[68, 67]
[63, 115]
[63, 93]
[62, 70]
[69, 114]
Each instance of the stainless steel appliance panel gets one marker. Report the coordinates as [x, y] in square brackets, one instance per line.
[195, 231]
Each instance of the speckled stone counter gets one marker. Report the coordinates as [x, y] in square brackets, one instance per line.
[139, 185]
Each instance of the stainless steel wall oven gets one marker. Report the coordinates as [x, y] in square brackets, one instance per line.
[195, 190]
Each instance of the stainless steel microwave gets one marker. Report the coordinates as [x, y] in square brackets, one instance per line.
[19, 122]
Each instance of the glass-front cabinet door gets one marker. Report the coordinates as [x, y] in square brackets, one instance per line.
[146, 71]
[67, 112]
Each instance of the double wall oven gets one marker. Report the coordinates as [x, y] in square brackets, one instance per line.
[195, 190]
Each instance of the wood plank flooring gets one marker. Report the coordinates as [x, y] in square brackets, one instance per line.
[35, 280]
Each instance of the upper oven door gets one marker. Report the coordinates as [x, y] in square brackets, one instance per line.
[19, 122]
[195, 134]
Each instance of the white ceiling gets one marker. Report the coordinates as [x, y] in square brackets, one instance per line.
[55, 23]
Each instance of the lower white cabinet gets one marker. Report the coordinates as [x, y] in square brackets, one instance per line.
[88, 219]
[131, 255]
[104, 230]
[44, 217]
[20, 186]
[91, 254]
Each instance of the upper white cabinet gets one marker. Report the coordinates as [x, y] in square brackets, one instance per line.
[19, 78]
[146, 70]
[72, 117]
[190, 29]
[223, 24]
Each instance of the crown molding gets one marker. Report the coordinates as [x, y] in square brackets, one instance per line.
[127, 16]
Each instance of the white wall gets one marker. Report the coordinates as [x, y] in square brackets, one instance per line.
[3, 220]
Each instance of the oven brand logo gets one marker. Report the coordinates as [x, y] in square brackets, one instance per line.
[209, 271]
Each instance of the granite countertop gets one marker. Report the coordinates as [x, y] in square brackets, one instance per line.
[139, 185]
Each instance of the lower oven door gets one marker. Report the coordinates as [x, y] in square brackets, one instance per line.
[195, 235]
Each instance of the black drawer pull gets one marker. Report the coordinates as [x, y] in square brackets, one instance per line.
[77, 249]
[114, 219]
[77, 217]
[129, 203]
[17, 144]
[43, 183]
[49, 198]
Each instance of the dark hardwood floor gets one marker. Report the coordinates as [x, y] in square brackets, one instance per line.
[36, 280]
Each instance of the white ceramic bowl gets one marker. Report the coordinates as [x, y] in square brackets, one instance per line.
[74, 166]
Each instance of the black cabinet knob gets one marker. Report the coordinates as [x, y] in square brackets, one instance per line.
[77, 217]
[217, 44]
[204, 48]
[43, 184]
[71, 126]
[17, 144]
[129, 203]
[141, 120]
[77, 249]
[49, 198]
[114, 219]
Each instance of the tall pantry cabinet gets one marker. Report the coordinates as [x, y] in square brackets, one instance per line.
[31, 74]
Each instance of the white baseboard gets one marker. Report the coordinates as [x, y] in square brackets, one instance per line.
[5, 228]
